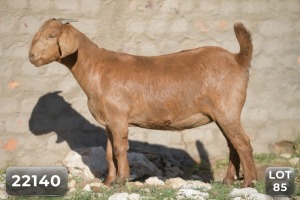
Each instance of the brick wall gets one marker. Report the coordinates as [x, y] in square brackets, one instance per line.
[39, 125]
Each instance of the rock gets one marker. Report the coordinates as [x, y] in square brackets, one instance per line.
[90, 162]
[286, 155]
[237, 198]
[119, 196]
[175, 183]
[86, 162]
[72, 189]
[297, 147]
[138, 183]
[134, 196]
[196, 177]
[72, 184]
[3, 195]
[243, 192]
[154, 181]
[170, 165]
[152, 154]
[2, 186]
[146, 190]
[259, 196]
[282, 147]
[87, 188]
[140, 166]
[191, 194]
[96, 184]
[172, 172]
[197, 185]
[294, 161]
[282, 198]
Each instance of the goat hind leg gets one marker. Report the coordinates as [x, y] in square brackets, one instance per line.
[234, 132]
[233, 165]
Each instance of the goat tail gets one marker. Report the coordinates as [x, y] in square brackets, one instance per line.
[244, 37]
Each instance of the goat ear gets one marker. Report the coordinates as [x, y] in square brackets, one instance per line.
[68, 41]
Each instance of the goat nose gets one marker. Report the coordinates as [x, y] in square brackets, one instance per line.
[31, 56]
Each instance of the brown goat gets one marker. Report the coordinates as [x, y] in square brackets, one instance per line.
[169, 92]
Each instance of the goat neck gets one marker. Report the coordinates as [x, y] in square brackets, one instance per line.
[86, 63]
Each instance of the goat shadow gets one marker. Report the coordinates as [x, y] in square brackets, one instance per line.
[53, 114]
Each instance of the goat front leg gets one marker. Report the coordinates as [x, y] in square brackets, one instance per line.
[119, 144]
[111, 160]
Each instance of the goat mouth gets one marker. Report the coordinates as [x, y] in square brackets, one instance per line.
[36, 62]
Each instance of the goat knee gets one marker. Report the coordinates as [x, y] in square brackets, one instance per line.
[120, 150]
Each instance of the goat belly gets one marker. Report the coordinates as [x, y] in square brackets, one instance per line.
[192, 121]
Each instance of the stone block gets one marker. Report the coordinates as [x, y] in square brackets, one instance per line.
[30, 24]
[66, 5]
[275, 27]
[137, 134]
[40, 84]
[135, 26]
[29, 69]
[68, 84]
[17, 124]
[164, 137]
[18, 50]
[88, 26]
[38, 5]
[157, 24]
[209, 7]
[148, 49]
[87, 6]
[57, 69]
[8, 106]
[192, 135]
[27, 105]
[79, 103]
[17, 4]
[170, 5]
[179, 26]
[187, 6]
[254, 7]
[257, 114]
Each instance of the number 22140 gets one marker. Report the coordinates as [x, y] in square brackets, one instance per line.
[54, 181]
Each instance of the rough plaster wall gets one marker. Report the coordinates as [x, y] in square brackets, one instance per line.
[38, 127]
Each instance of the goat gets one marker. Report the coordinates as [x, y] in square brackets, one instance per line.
[169, 92]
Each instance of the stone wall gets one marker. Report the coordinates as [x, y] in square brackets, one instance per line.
[39, 125]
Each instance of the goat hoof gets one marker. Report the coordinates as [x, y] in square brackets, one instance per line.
[109, 181]
[249, 183]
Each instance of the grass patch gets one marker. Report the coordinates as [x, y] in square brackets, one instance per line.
[221, 164]
[2, 178]
[80, 195]
[220, 191]
[151, 192]
[296, 145]
[264, 158]
[260, 187]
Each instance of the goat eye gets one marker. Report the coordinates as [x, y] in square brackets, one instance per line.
[52, 36]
